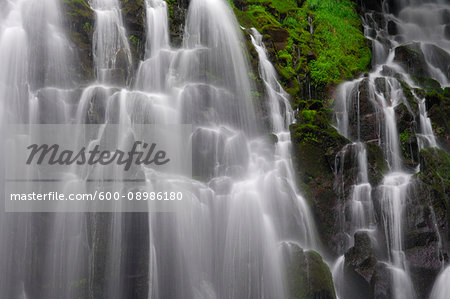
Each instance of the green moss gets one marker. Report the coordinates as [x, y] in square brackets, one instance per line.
[335, 51]
[134, 40]
[433, 183]
[79, 8]
[308, 277]
[435, 169]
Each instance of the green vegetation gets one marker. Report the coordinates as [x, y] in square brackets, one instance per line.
[134, 40]
[335, 50]
[308, 276]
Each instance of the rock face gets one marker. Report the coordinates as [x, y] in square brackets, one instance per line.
[133, 14]
[315, 150]
[308, 277]
[79, 19]
[438, 106]
[426, 235]
[381, 283]
[359, 267]
[411, 58]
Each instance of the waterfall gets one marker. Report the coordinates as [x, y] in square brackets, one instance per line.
[245, 207]
[281, 115]
[35, 87]
[244, 200]
[112, 55]
[441, 286]
[370, 103]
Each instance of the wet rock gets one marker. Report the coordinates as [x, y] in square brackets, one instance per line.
[133, 14]
[376, 163]
[406, 126]
[392, 28]
[379, 19]
[365, 110]
[439, 109]
[446, 16]
[308, 276]
[438, 57]
[387, 71]
[79, 22]
[370, 5]
[177, 16]
[359, 267]
[381, 282]
[422, 248]
[433, 184]
[427, 219]
[411, 58]
[447, 31]
[278, 36]
[314, 154]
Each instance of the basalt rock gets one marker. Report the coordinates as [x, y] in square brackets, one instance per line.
[381, 282]
[427, 220]
[359, 267]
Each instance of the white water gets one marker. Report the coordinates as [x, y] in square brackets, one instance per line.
[416, 22]
[441, 288]
[245, 201]
[112, 55]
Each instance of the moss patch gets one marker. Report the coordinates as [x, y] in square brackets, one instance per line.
[308, 277]
[314, 44]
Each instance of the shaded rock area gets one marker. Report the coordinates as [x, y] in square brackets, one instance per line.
[359, 267]
[381, 282]
[308, 276]
[407, 128]
[132, 256]
[426, 234]
[315, 149]
[438, 106]
[411, 58]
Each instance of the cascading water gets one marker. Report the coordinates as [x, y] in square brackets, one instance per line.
[369, 103]
[245, 203]
[112, 56]
[282, 116]
[441, 286]
[35, 87]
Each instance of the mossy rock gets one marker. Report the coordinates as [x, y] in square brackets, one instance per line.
[314, 154]
[359, 267]
[411, 58]
[308, 276]
[438, 106]
[80, 19]
[432, 185]
[309, 64]
[133, 14]
[377, 163]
